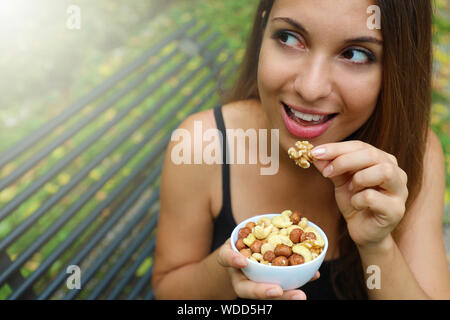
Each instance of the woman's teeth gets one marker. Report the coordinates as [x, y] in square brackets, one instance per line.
[307, 117]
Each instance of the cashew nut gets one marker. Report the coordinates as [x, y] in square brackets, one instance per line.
[286, 213]
[285, 240]
[303, 223]
[261, 232]
[319, 242]
[264, 222]
[274, 239]
[304, 252]
[249, 240]
[257, 256]
[281, 221]
[267, 247]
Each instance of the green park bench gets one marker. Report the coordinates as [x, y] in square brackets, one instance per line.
[86, 184]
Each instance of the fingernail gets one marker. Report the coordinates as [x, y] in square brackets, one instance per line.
[273, 292]
[239, 261]
[327, 171]
[298, 297]
[318, 152]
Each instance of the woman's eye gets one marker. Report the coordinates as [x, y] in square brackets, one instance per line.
[358, 56]
[287, 38]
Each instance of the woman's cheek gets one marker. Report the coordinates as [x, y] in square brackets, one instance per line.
[368, 89]
[272, 71]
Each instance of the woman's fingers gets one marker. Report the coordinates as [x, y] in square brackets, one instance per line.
[316, 276]
[383, 175]
[248, 289]
[293, 295]
[388, 210]
[230, 258]
[243, 287]
[253, 290]
[329, 151]
[340, 168]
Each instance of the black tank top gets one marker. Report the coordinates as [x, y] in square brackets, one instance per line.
[225, 223]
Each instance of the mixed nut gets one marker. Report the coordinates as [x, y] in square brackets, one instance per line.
[302, 155]
[284, 240]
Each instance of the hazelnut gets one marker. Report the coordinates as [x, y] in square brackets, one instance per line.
[244, 232]
[269, 256]
[295, 235]
[240, 244]
[256, 246]
[250, 225]
[246, 252]
[280, 261]
[295, 217]
[283, 250]
[295, 259]
[308, 236]
[319, 241]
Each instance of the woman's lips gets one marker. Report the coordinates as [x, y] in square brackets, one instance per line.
[299, 130]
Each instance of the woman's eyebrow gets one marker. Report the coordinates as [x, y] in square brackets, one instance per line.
[365, 39]
[293, 23]
[299, 26]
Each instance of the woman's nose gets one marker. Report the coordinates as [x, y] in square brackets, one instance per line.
[313, 81]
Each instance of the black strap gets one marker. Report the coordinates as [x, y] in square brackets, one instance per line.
[226, 197]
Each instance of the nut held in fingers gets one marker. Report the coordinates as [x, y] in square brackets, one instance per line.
[301, 154]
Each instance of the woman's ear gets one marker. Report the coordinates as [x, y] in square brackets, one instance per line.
[263, 20]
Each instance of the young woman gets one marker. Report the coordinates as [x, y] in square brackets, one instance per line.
[316, 71]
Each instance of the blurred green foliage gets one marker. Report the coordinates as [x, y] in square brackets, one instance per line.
[440, 119]
[67, 64]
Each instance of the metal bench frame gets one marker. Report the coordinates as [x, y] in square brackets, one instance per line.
[139, 191]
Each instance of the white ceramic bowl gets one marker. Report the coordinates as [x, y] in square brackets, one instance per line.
[288, 277]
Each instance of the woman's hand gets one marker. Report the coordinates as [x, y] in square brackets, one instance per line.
[248, 289]
[370, 188]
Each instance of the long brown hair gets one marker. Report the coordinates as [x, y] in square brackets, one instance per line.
[400, 121]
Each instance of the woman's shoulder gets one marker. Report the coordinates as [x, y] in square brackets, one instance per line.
[433, 147]
[236, 114]
[243, 114]
[428, 206]
[433, 164]
[185, 163]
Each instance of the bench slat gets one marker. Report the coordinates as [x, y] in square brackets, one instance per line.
[113, 261]
[37, 184]
[132, 270]
[98, 159]
[23, 145]
[106, 280]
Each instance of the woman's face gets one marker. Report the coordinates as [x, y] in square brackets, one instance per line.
[327, 69]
